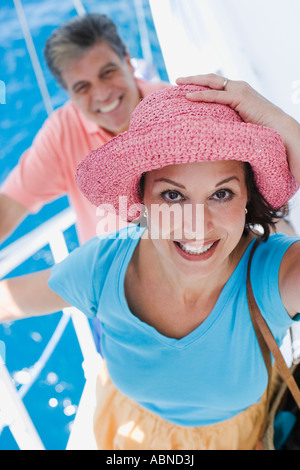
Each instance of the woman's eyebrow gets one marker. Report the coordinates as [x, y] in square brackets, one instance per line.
[166, 180]
[226, 180]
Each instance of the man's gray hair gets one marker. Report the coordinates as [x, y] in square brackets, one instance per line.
[73, 39]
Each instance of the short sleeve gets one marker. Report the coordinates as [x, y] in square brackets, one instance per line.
[264, 279]
[74, 277]
[91, 270]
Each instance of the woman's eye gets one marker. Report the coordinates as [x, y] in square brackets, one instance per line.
[172, 196]
[223, 195]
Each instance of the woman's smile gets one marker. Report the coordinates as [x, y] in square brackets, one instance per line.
[196, 251]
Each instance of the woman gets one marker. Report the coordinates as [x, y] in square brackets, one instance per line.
[184, 369]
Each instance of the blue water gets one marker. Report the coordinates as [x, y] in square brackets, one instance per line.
[53, 398]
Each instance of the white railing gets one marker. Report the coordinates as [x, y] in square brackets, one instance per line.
[12, 410]
[26, 246]
[14, 414]
[33, 57]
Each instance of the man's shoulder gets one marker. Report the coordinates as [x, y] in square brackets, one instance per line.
[63, 120]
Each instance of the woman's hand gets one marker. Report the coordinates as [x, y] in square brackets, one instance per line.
[252, 107]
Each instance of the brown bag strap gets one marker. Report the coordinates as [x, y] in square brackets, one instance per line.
[266, 340]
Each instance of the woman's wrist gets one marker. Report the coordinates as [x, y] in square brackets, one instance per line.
[290, 134]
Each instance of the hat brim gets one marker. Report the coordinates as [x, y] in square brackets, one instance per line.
[114, 170]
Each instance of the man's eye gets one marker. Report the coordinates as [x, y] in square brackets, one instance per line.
[108, 73]
[172, 196]
[81, 89]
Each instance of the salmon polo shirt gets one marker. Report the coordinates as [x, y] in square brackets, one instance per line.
[47, 169]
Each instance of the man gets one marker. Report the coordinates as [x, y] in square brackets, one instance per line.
[90, 61]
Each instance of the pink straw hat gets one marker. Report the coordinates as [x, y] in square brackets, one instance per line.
[168, 129]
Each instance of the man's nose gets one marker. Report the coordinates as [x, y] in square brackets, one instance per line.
[101, 93]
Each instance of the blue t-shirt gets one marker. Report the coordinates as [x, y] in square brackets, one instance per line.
[209, 375]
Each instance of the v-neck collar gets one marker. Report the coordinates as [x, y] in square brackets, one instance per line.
[232, 283]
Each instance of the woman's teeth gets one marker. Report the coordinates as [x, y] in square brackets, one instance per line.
[110, 107]
[195, 250]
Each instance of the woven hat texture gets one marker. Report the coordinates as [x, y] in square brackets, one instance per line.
[168, 129]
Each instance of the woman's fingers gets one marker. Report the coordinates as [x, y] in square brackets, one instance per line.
[210, 80]
[239, 95]
[211, 96]
[216, 85]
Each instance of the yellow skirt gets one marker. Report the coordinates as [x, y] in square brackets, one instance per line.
[121, 424]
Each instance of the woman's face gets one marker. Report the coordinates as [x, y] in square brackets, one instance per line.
[196, 213]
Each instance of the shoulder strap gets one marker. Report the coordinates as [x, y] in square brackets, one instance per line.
[266, 340]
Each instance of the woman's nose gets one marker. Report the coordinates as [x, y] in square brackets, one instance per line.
[208, 220]
[194, 221]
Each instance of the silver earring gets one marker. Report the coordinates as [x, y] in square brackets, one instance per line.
[145, 212]
[246, 210]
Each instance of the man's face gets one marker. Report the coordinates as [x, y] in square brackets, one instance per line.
[102, 86]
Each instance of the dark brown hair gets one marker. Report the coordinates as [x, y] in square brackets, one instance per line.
[260, 212]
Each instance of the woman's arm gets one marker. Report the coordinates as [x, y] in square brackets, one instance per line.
[26, 296]
[253, 108]
[289, 279]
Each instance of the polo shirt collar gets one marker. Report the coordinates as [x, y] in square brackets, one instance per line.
[92, 128]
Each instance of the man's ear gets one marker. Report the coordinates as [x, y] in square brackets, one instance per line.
[128, 61]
